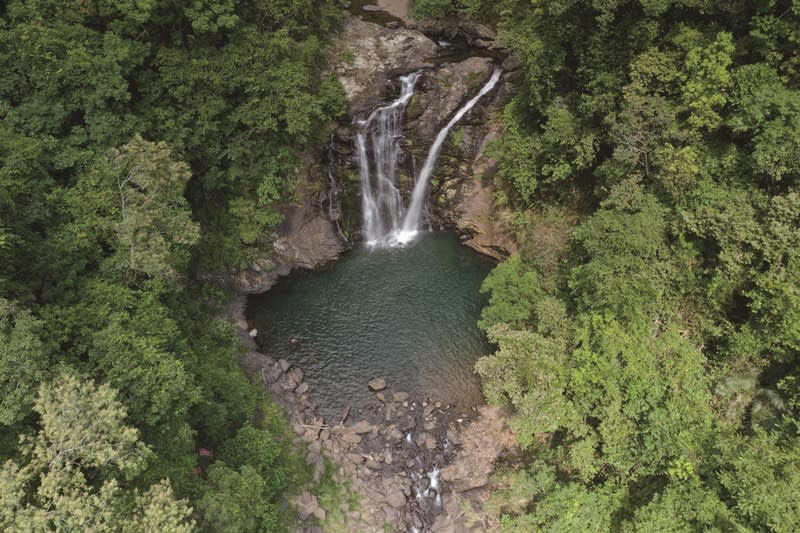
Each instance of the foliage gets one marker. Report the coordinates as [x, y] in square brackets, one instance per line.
[76, 465]
[23, 361]
[143, 145]
[651, 366]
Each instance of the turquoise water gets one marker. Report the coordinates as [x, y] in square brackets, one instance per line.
[406, 315]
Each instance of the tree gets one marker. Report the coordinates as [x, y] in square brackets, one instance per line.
[234, 501]
[75, 465]
[24, 361]
[155, 232]
[707, 80]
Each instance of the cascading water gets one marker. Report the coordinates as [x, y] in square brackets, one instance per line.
[413, 218]
[380, 197]
[386, 222]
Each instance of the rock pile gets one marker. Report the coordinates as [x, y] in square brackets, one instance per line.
[387, 454]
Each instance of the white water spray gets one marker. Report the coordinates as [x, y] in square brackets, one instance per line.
[381, 203]
[413, 217]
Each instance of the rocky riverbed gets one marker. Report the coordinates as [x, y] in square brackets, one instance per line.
[414, 464]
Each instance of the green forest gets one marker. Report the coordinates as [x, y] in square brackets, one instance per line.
[647, 333]
[143, 143]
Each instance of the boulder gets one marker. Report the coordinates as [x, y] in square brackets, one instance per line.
[395, 498]
[351, 438]
[355, 458]
[478, 30]
[400, 397]
[306, 505]
[361, 427]
[377, 384]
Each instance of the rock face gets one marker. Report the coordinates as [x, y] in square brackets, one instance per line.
[442, 93]
[371, 59]
[371, 55]
[305, 239]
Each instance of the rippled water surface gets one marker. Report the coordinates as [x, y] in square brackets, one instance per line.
[407, 315]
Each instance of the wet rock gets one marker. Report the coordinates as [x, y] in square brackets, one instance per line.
[377, 384]
[296, 375]
[416, 521]
[400, 397]
[453, 84]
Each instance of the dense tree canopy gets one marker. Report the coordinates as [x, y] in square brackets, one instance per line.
[664, 353]
[141, 145]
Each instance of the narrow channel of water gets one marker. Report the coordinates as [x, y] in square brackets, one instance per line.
[407, 315]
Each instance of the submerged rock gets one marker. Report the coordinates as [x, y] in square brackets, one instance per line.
[377, 384]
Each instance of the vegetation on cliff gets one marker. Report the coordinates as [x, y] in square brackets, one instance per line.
[142, 143]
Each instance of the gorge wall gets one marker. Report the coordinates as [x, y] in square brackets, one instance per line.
[454, 60]
[374, 448]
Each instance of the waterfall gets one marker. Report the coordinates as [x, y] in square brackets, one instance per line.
[386, 222]
[381, 203]
[413, 217]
